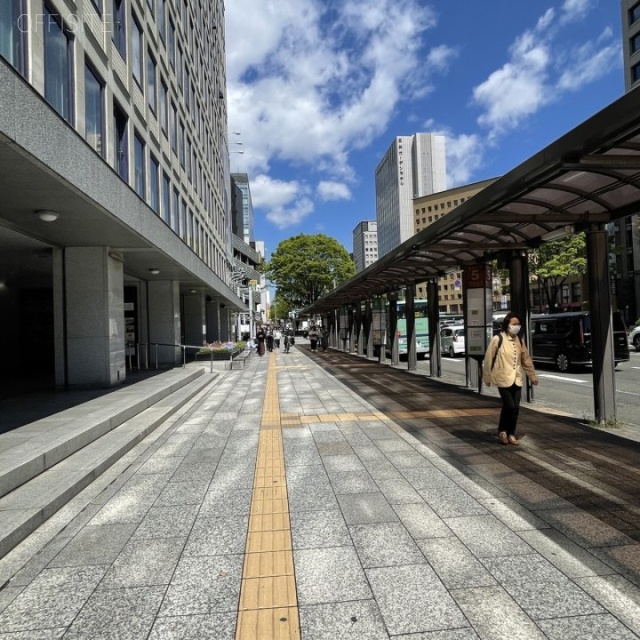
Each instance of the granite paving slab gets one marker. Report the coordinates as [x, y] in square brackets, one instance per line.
[592, 627]
[422, 521]
[412, 599]
[624, 559]
[452, 502]
[357, 620]
[182, 493]
[329, 575]
[313, 529]
[219, 626]
[347, 482]
[204, 585]
[213, 536]
[385, 544]
[338, 464]
[398, 491]
[513, 514]
[44, 634]
[167, 522]
[126, 614]
[233, 503]
[366, 508]
[144, 562]
[455, 634]
[456, 566]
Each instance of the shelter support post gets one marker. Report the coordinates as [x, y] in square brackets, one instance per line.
[519, 280]
[360, 323]
[369, 328]
[412, 356]
[353, 327]
[435, 353]
[393, 328]
[604, 384]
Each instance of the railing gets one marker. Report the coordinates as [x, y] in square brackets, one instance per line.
[145, 348]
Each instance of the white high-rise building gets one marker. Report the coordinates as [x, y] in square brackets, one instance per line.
[414, 166]
[365, 244]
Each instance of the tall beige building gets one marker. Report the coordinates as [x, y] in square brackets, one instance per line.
[427, 210]
[115, 185]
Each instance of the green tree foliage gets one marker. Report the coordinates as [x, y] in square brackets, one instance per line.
[279, 309]
[554, 262]
[305, 267]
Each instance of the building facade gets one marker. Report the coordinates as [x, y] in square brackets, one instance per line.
[243, 218]
[426, 211]
[365, 244]
[412, 167]
[626, 267]
[115, 215]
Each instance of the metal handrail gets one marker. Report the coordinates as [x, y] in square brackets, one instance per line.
[146, 348]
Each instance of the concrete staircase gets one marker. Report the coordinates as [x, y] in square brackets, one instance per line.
[46, 463]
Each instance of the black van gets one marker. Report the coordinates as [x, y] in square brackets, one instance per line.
[565, 339]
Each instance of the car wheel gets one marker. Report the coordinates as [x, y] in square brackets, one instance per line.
[562, 362]
[636, 342]
[451, 352]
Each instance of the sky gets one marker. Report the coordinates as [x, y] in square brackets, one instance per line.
[318, 89]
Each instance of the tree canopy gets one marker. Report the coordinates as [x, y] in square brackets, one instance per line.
[553, 262]
[305, 267]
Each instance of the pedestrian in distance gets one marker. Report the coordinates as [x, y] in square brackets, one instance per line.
[314, 336]
[270, 340]
[324, 338]
[277, 335]
[504, 361]
[261, 337]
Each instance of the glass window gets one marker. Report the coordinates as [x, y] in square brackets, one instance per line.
[166, 198]
[164, 112]
[174, 129]
[150, 4]
[154, 187]
[138, 154]
[136, 51]
[181, 144]
[635, 73]
[98, 5]
[183, 220]
[93, 110]
[175, 212]
[12, 33]
[151, 81]
[119, 33]
[172, 43]
[634, 13]
[121, 128]
[58, 67]
[162, 23]
[180, 67]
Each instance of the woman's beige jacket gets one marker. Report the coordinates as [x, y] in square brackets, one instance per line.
[512, 358]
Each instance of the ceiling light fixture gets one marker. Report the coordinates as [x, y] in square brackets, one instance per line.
[154, 271]
[560, 232]
[47, 215]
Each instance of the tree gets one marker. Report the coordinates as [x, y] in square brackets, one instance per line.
[553, 262]
[279, 309]
[305, 267]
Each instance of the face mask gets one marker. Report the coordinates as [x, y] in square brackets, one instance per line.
[514, 329]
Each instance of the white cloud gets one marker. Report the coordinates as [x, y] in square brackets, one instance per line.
[310, 82]
[329, 190]
[285, 203]
[541, 69]
[464, 157]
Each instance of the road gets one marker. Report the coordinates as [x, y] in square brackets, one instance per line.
[569, 393]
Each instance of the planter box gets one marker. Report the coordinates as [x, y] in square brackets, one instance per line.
[217, 357]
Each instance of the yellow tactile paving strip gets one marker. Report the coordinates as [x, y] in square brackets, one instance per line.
[268, 601]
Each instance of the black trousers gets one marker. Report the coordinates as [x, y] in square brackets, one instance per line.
[510, 408]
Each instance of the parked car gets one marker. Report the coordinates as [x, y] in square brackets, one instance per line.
[452, 340]
[565, 339]
[634, 337]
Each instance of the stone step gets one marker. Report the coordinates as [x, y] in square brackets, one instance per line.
[25, 508]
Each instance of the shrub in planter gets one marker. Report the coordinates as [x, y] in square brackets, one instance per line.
[220, 350]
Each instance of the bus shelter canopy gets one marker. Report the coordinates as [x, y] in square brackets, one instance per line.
[585, 179]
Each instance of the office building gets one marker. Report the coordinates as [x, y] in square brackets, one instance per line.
[413, 166]
[115, 192]
[365, 244]
[243, 219]
[626, 244]
[426, 211]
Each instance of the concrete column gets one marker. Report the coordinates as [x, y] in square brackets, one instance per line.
[360, 323]
[164, 320]
[212, 314]
[225, 323]
[412, 356]
[435, 355]
[195, 322]
[369, 328]
[393, 329]
[354, 327]
[604, 383]
[89, 295]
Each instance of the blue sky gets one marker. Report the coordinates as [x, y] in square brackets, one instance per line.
[318, 89]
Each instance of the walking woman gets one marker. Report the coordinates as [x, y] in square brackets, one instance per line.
[504, 361]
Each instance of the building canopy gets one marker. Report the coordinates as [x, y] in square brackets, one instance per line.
[585, 179]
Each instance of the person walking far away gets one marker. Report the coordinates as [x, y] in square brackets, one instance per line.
[324, 338]
[314, 335]
[277, 334]
[260, 337]
[504, 361]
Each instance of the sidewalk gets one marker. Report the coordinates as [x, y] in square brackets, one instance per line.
[327, 497]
